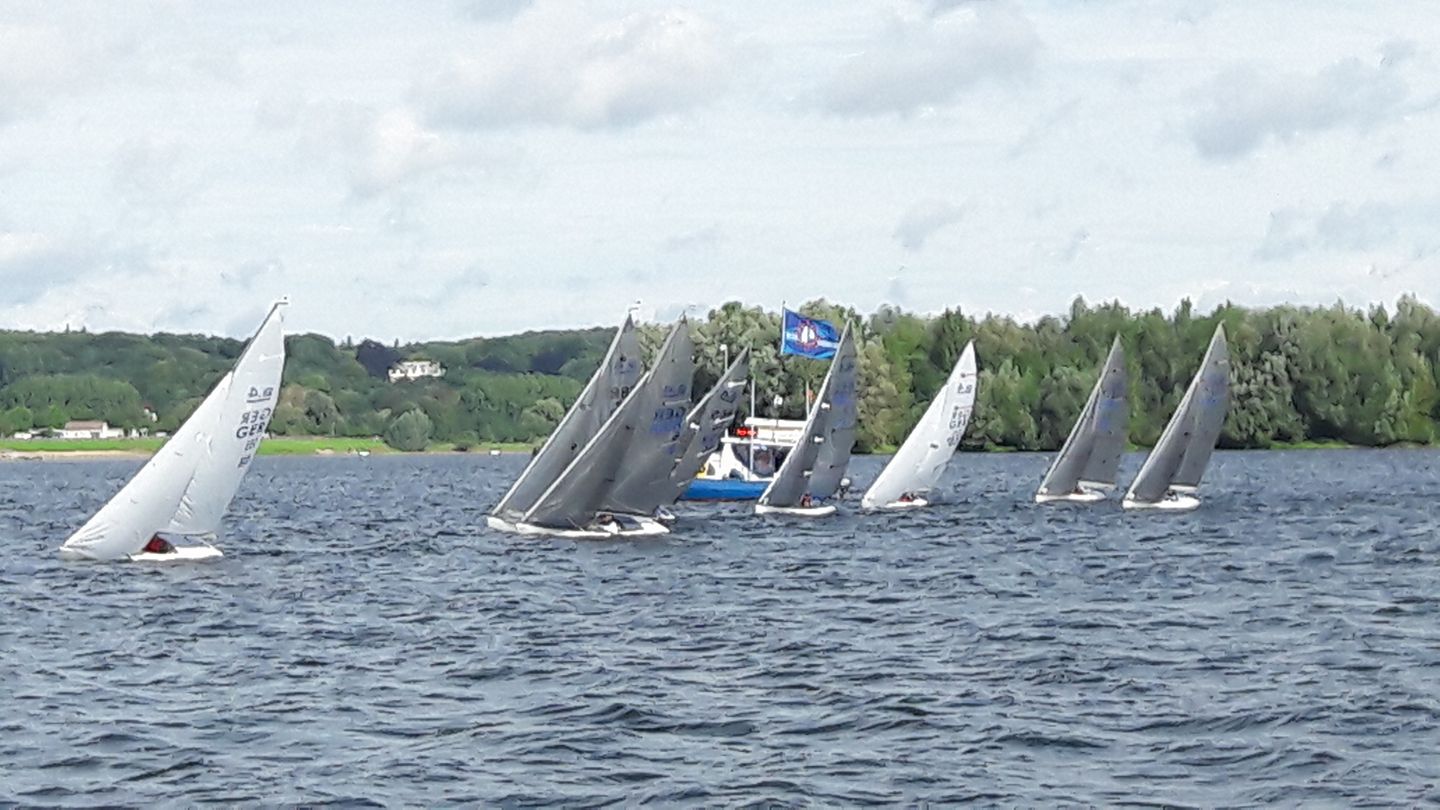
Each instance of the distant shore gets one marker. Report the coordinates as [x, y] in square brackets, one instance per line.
[87, 449]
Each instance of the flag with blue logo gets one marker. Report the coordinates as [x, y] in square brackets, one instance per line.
[808, 337]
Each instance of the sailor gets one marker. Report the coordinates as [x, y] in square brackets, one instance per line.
[806, 501]
[159, 545]
[907, 497]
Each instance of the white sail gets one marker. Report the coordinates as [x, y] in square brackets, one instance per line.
[618, 373]
[831, 421]
[921, 459]
[1179, 458]
[238, 427]
[154, 499]
[1091, 454]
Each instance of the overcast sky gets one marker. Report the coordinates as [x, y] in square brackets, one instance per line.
[478, 167]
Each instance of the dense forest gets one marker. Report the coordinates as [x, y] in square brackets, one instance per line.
[1298, 374]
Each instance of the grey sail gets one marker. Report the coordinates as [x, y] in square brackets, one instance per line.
[837, 396]
[1091, 453]
[612, 382]
[1188, 440]
[643, 479]
[1209, 405]
[644, 428]
[706, 424]
[796, 475]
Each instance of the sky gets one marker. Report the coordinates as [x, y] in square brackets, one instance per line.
[438, 170]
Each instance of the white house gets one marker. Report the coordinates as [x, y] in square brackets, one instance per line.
[415, 369]
[89, 430]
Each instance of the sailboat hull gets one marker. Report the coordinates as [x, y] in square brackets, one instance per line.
[1172, 502]
[895, 506]
[180, 554]
[795, 511]
[1083, 496]
[635, 526]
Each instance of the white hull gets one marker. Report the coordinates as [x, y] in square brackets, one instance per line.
[1173, 502]
[797, 511]
[894, 506]
[180, 554]
[1083, 496]
[642, 527]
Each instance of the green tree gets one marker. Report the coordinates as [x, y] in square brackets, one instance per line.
[409, 432]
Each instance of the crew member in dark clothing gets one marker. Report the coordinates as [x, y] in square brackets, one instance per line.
[159, 545]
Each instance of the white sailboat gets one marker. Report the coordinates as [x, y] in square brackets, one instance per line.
[921, 459]
[811, 474]
[1171, 474]
[1084, 469]
[618, 373]
[182, 493]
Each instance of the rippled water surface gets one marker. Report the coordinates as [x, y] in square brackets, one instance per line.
[366, 639]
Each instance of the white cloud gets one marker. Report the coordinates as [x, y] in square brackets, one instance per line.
[554, 66]
[923, 219]
[1249, 105]
[36, 62]
[926, 60]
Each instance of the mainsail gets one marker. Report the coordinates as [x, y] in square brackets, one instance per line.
[625, 468]
[253, 393]
[920, 461]
[1179, 459]
[1091, 454]
[817, 463]
[189, 482]
[608, 387]
[706, 424]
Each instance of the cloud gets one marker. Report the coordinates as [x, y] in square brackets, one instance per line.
[1339, 228]
[706, 239]
[36, 62]
[379, 150]
[33, 264]
[1072, 246]
[1246, 106]
[929, 60]
[552, 66]
[923, 219]
[493, 10]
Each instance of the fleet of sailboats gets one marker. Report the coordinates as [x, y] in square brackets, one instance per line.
[635, 439]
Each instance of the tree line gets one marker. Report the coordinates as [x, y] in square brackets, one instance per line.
[1358, 376]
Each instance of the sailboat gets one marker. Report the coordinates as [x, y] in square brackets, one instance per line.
[706, 424]
[1084, 469]
[921, 459]
[1171, 474]
[182, 493]
[618, 373]
[812, 472]
[620, 478]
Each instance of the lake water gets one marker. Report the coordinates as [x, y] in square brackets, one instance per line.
[367, 640]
